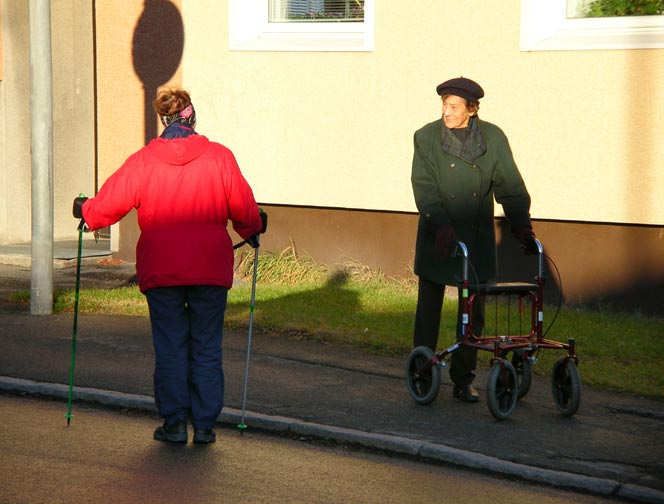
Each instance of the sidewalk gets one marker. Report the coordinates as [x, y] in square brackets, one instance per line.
[613, 446]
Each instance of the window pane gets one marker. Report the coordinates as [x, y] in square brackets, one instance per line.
[284, 11]
[613, 8]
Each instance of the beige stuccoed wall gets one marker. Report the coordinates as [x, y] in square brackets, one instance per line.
[134, 58]
[592, 134]
[15, 124]
[120, 98]
[73, 116]
[121, 93]
[73, 109]
[335, 129]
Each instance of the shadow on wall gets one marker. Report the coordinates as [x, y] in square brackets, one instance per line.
[602, 266]
[619, 267]
[514, 266]
[156, 52]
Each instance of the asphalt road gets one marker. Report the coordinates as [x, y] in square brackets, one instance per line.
[106, 456]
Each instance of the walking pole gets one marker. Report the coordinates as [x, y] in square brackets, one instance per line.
[73, 337]
[242, 426]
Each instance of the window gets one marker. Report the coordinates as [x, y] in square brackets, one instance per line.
[555, 25]
[301, 25]
[303, 11]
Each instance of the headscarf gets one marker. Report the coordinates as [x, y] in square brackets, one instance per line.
[185, 116]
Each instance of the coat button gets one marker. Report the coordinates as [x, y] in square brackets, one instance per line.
[453, 165]
[474, 195]
[452, 196]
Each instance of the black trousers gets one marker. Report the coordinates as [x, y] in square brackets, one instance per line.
[430, 297]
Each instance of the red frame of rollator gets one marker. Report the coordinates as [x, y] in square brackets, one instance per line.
[499, 344]
[503, 387]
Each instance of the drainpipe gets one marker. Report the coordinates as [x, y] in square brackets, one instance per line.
[41, 143]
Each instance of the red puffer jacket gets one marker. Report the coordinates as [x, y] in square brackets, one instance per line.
[185, 190]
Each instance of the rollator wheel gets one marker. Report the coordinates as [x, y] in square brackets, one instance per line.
[566, 386]
[422, 385]
[502, 389]
[523, 368]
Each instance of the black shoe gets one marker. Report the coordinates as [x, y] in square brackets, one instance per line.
[466, 393]
[174, 433]
[204, 436]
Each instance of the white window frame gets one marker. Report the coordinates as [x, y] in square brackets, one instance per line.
[545, 27]
[249, 30]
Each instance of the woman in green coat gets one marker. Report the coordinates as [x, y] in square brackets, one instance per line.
[460, 165]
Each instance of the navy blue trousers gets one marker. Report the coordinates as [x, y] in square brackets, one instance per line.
[187, 331]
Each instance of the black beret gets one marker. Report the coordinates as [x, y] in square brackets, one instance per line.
[460, 86]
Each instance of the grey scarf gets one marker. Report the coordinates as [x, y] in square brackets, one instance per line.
[469, 150]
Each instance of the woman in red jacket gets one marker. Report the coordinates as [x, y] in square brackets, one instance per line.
[185, 189]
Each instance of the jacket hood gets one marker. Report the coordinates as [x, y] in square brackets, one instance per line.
[178, 151]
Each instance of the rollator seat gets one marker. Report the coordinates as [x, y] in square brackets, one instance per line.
[505, 288]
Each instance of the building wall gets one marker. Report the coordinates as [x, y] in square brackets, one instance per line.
[94, 128]
[3, 149]
[15, 124]
[325, 138]
[73, 116]
[139, 49]
[334, 129]
[73, 108]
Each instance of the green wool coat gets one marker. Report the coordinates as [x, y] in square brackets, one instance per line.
[449, 190]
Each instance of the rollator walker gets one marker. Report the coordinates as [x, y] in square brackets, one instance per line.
[514, 353]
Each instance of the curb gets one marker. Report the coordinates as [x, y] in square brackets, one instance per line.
[395, 444]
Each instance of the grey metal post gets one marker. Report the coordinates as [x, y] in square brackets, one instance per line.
[41, 122]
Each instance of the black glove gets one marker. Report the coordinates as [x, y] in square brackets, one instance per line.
[254, 241]
[263, 217]
[445, 239]
[77, 210]
[526, 238]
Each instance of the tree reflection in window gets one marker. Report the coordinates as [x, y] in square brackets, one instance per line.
[613, 8]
